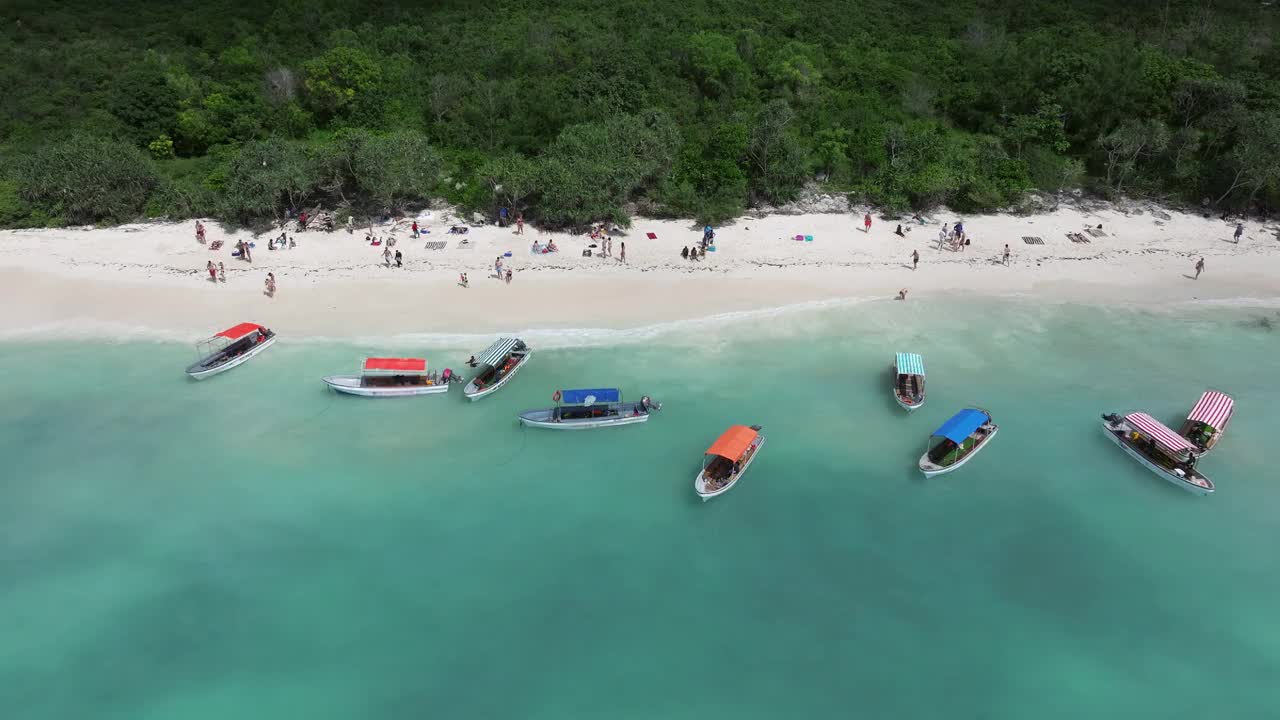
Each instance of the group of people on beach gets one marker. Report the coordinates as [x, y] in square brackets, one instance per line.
[217, 273]
[953, 237]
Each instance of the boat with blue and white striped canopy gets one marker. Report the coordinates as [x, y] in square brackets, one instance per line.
[958, 440]
[908, 380]
[589, 408]
[497, 365]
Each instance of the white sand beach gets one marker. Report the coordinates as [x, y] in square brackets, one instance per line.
[98, 282]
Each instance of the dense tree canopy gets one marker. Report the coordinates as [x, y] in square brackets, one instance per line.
[572, 110]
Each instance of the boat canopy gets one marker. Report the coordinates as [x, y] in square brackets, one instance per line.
[498, 352]
[733, 442]
[1167, 439]
[395, 366]
[961, 425]
[590, 396]
[239, 331]
[1214, 409]
[909, 364]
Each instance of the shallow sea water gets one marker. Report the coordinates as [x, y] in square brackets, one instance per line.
[255, 546]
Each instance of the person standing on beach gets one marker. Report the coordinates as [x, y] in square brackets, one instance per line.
[623, 256]
[270, 285]
[519, 223]
[213, 272]
[222, 273]
[386, 255]
[200, 232]
[1239, 232]
[1006, 254]
[866, 223]
[462, 280]
[915, 259]
[1199, 268]
[942, 236]
[399, 259]
[508, 277]
[497, 267]
[415, 229]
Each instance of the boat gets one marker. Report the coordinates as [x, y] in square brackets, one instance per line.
[499, 363]
[958, 440]
[392, 377]
[1158, 449]
[1208, 420]
[590, 408]
[908, 380]
[727, 460]
[230, 348]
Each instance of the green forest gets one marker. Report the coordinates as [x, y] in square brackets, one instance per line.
[576, 111]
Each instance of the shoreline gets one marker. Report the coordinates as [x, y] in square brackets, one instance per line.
[150, 277]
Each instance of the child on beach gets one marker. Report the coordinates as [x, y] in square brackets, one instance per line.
[866, 223]
[222, 273]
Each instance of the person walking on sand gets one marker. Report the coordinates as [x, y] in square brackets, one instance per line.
[386, 255]
[462, 280]
[1006, 254]
[415, 229]
[399, 259]
[270, 285]
[508, 277]
[866, 223]
[1199, 268]
[200, 232]
[222, 273]
[213, 272]
[942, 236]
[519, 223]
[623, 256]
[915, 259]
[1239, 232]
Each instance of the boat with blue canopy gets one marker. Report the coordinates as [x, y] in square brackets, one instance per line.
[958, 440]
[908, 380]
[589, 408]
[496, 366]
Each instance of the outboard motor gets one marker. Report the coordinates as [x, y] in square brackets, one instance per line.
[649, 405]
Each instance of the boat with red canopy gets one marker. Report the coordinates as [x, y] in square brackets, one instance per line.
[1158, 449]
[1208, 420]
[392, 377]
[230, 348]
[727, 460]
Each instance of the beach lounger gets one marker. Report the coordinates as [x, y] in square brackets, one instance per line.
[1031, 240]
[1077, 238]
[438, 245]
[1095, 232]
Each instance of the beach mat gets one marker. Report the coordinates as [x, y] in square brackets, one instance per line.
[651, 236]
[1077, 238]
[439, 245]
[1032, 240]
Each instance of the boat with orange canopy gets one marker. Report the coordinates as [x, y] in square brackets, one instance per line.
[392, 377]
[727, 460]
[230, 348]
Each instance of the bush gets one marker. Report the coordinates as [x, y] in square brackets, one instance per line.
[87, 180]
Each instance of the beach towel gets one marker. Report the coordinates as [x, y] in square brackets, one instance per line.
[799, 238]
[808, 238]
[215, 245]
[506, 254]
[651, 236]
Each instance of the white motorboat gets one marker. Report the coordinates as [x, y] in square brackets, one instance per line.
[727, 460]
[1208, 420]
[908, 381]
[957, 441]
[499, 363]
[590, 408]
[230, 348]
[1158, 449]
[392, 377]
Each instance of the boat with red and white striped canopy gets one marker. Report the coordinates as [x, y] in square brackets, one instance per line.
[1208, 420]
[230, 348]
[1158, 449]
[392, 377]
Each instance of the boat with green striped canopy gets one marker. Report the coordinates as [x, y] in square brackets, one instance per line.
[497, 365]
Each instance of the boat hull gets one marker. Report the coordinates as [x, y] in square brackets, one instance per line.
[350, 385]
[544, 419]
[906, 405]
[473, 394]
[931, 470]
[235, 362]
[1192, 488]
[700, 483]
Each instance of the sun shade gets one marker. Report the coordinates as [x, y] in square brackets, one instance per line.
[591, 396]
[961, 425]
[394, 366]
[910, 364]
[239, 331]
[1163, 436]
[1214, 409]
[498, 352]
[733, 442]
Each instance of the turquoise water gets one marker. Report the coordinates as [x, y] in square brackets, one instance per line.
[254, 546]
